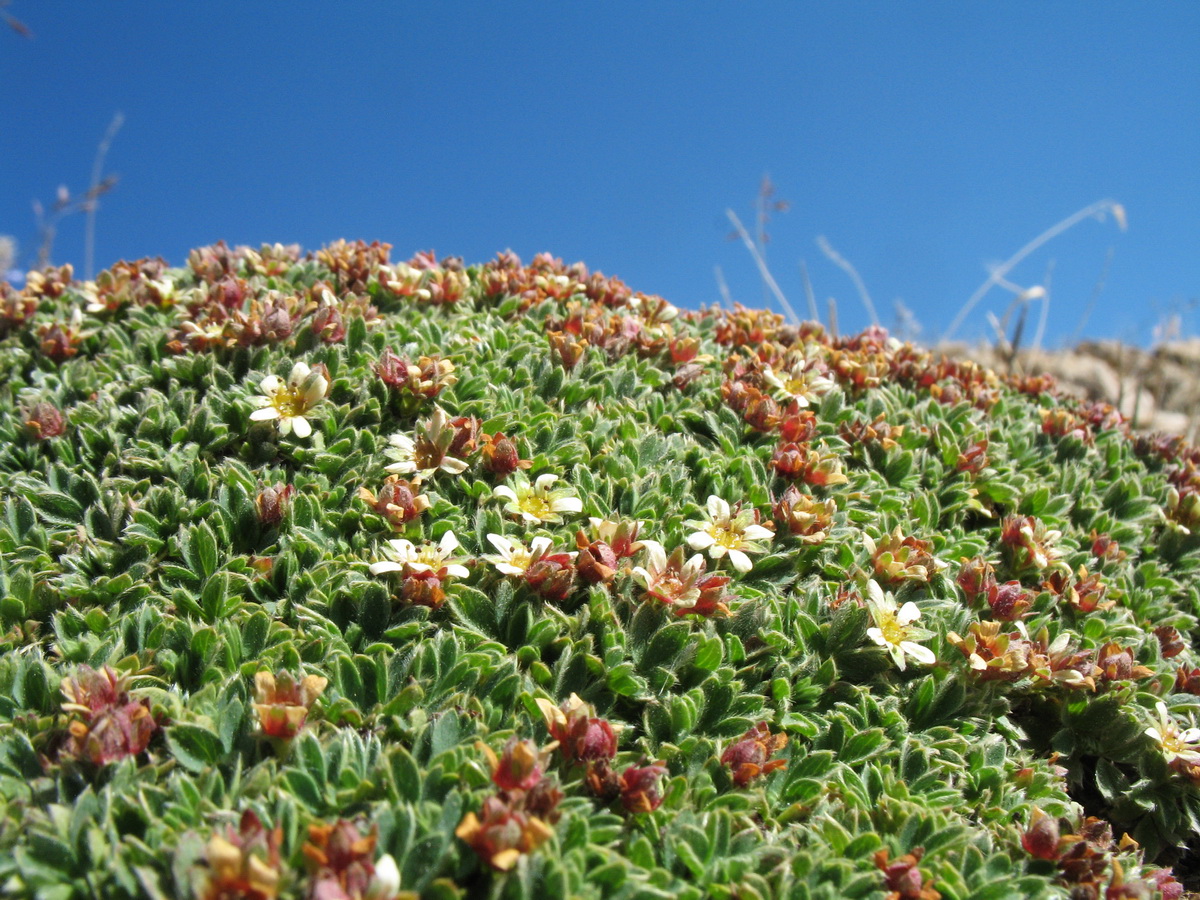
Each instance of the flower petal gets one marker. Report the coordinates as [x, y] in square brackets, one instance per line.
[920, 653]
[700, 540]
[740, 561]
[301, 427]
[269, 385]
[381, 568]
[262, 415]
[908, 614]
[758, 533]
[501, 543]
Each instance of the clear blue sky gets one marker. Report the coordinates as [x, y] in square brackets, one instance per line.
[924, 140]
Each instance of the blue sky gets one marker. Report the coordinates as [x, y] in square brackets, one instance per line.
[924, 140]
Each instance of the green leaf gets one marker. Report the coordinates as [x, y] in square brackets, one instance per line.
[406, 776]
[205, 543]
[305, 789]
[195, 747]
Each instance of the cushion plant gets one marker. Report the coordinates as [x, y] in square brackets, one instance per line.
[331, 576]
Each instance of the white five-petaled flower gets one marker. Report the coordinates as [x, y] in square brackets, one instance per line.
[670, 579]
[429, 452]
[538, 502]
[385, 884]
[726, 533]
[514, 557]
[1183, 746]
[289, 401]
[893, 629]
[802, 382]
[435, 558]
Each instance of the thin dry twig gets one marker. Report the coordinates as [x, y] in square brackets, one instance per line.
[726, 299]
[93, 202]
[1096, 209]
[762, 266]
[808, 293]
[844, 264]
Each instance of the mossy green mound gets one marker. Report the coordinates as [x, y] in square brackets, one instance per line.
[331, 576]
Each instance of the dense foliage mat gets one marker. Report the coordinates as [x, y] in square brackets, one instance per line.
[324, 575]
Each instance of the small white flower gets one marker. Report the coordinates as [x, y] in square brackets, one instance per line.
[801, 382]
[726, 533]
[435, 558]
[514, 557]
[386, 883]
[538, 502]
[1183, 746]
[670, 579]
[428, 452]
[289, 401]
[893, 628]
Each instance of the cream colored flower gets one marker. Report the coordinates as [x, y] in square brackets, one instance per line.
[429, 452]
[290, 401]
[514, 557]
[386, 883]
[436, 558]
[800, 381]
[893, 628]
[538, 502]
[726, 533]
[1183, 746]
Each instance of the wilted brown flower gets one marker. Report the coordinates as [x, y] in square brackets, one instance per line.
[567, 348]
[519, 767]
[500, 455]
[1009, 601]
[398, 501]
[899, 557]
[107, 723]
[502, 832]
[993, 655]
[902, 878]
[342, 863]
[273, 502]
[1041, 839]
[43, 420]
[244, 864]
[750, 756]
[1116, 663]
[284, 701]
[581, 736]
[639, 786]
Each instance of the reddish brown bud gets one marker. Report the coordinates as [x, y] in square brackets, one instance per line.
[639, 787]
[500, 455]
[273, 502]
[750, 756]
[44, 421]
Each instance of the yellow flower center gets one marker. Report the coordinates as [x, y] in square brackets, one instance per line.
[538, 507]
[1172, 743]
[430, 556]
[520, 559]
[289, 402]
[893, 632]
[726, 535]
[796, 386]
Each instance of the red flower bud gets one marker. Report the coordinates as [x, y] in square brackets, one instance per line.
[1042, 837]
[639, 787]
